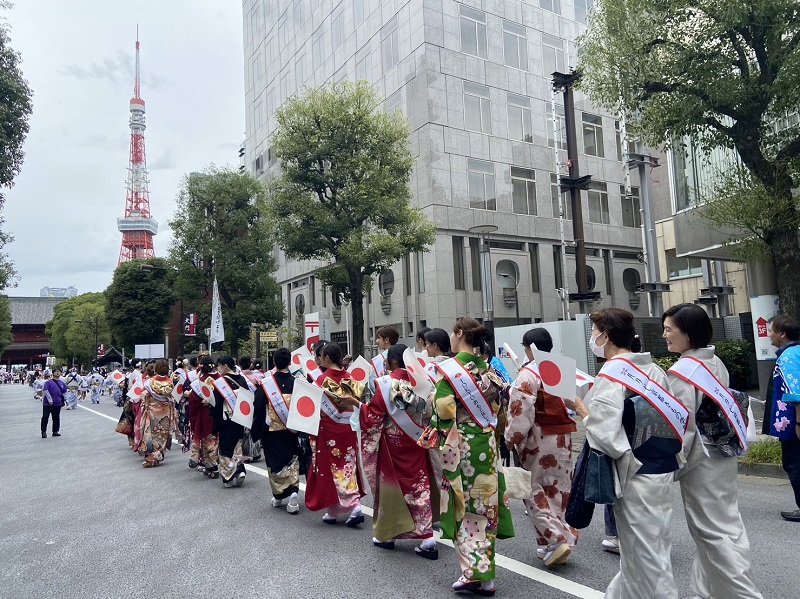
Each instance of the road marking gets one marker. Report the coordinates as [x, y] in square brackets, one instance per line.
[501, 561]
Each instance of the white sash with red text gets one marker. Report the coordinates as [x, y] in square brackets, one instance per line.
[251, 379]
[398, 416]
[697, 374]
[379, 365]
[468, 392]
[275, 398]
[226, 391]
[627, 374]
[333, 413]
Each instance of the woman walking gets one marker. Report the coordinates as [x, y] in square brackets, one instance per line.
[158, 415]
[204, 448]
[230, 433]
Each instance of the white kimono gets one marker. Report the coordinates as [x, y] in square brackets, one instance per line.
[644, 505]
[722, 560]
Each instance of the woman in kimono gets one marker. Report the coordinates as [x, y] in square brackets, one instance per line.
[437, 344]
[644, 447]
[398, 470]
[708, 479]
[334, 480]
[158, 416]
[230, 433]
[474, 503]
[281, 446]
[540, 429]
[204, 448]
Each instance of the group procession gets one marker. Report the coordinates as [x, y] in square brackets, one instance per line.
[439, 460]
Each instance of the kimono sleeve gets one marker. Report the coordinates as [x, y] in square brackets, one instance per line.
[521, 409]
[604, 429]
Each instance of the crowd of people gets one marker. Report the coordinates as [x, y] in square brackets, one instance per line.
[436, 461]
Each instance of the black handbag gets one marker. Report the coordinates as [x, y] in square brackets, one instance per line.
[599, 478]
[579, 511]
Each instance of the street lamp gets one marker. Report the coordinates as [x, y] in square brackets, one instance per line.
[506, 275]
[486, 276]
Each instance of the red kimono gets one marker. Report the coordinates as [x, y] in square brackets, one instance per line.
[334, 480]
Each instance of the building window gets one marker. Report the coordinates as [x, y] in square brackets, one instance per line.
[533, 251]
[390, 45]
[582, 9]
[631, 213]
[420, 272]
[299, 70]
[591, 279]
[551, 5]
[458, 262]
[553, 57]
[473, 32]
[593, 135]
[597, 198]
[682, 267]
[318, 47]
[386, 283]
[555, 193]
[337, 26]
[394, 101]
[523, 190]
[358, 11]
[475, 263]
[407, 273]
[630, 147]
[477, 108]
[556, 133]
[519, 118]
[481, 185]
[363, 64]
[515, 46]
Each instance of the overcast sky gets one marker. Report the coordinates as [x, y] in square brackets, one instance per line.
[78, 57]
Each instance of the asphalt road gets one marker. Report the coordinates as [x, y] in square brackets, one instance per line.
[80, 518]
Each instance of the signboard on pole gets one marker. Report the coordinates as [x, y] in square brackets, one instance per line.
[149, 351]
[190, 325]
[316, 328]
[763, 308]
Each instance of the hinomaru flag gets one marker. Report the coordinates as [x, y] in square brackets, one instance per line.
[417, 375]
[304, 413]
[557, 372]
[360, 370]
[243, 412]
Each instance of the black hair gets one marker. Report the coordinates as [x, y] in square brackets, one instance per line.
[245, 362]
[439, 338]
[282, 358]
[617, 325]
[692, 320]
[474, 332]
[206, 364]
[316, 349]
[193, 361]
[395, 354]
[421, 333]
[486, 350]
[333, 352]
[539, 338]
[226, 361]
[258, 364]
[389, 333]
[787, 325]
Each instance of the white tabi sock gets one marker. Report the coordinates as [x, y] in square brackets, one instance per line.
[428, 544]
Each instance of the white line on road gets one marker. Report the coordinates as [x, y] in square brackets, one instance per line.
[546, 578]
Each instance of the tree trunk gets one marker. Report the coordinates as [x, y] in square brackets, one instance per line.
[357, 304]
[785, 247]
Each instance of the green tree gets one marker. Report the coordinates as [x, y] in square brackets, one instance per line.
[6, 338]
[72, 339]
[343, 194]
[724, 72]
[139, 302]
[218, 229]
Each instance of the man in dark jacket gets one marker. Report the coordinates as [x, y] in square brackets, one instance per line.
[52, 401]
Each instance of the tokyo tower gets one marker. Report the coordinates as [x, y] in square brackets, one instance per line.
[137, 226]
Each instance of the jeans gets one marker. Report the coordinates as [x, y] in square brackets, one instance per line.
[46, 412]
[791, 464]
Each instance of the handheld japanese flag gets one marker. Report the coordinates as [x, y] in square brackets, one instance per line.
[513, 356]
[217, 330]
[379, 364]
[205, 391]
[136, 390]
[359, 370]
[117, 377]
[557, 372]
[417, 376]
[583, 382]
[304, 413]
[179, 387]
[427, 365]
[243, 412]
[297, 358]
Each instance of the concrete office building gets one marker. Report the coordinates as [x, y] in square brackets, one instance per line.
[473, 78]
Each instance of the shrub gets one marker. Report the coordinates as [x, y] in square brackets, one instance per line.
[666, 362]
[764, 451]
[736, 357]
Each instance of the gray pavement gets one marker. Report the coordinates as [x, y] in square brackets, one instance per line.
[81, 518]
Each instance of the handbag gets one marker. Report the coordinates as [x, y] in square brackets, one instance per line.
[579, 511]
[518, 480]
[599, 478]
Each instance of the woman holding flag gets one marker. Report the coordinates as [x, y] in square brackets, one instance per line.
[204, 448]
[708, 480]
[633, 418]
[158, 415]
[474, 504]
[230, 433]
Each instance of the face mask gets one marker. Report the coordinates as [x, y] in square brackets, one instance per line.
[597, 350]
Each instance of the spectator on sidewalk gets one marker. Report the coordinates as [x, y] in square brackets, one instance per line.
[52, 401]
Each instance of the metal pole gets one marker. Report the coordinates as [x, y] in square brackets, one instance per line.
[564, 292]
[486, 279]
[649, 232]
[516, 301]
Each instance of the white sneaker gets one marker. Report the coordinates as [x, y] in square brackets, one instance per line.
[293, 507]
[279, 502]
[541, 552]
[611, 545]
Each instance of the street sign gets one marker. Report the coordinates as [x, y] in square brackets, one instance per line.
[268, 336]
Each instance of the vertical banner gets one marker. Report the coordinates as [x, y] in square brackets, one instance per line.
[763, 307]
[190, 325]
[217, 330]
[312, 331]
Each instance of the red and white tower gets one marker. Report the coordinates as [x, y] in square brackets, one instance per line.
[137, 226]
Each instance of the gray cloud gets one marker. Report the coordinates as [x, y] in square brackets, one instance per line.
[116, 70]
[164, 162]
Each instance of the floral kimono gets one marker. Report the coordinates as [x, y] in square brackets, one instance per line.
[474, 503]
[158, 419]
[204, 446]
[398, 470]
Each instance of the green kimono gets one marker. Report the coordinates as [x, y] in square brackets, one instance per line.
[476, 509]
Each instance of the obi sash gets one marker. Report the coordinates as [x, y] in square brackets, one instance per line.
[153, 394]
[398, 416]
[226, 391]
[275, 398]
[697, 374]
[628, 375]
[468, 392]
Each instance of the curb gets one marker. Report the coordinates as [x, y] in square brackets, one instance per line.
[764, 470]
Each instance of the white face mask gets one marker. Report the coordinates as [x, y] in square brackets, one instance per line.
[597, 350]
